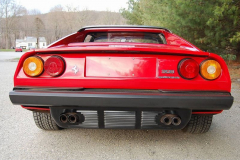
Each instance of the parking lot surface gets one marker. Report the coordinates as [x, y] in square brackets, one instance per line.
[21, 139]
[10, 55]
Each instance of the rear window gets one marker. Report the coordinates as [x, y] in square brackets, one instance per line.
[126, 37]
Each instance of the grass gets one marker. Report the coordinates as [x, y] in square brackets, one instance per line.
[7, 50]
[14, 59]
[11, 50]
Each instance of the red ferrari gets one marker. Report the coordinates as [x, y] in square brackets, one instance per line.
[124, 77]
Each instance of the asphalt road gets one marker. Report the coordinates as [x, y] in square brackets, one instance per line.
[10, 55]
[21, 139]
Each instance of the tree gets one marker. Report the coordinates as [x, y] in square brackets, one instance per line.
[213, 26]
[59, 22]
[9, 11]
[133, 14]
[34, 12]
[40, 27]
[56, 23]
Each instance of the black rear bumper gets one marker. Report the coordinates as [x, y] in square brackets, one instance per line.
[126, 109]
[123, 99]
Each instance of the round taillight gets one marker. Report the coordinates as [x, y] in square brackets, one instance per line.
[33, 66]
[188, 68]
[54, 66]
[210, 69]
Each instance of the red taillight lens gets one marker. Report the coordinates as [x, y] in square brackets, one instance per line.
[188, 68]
[54, 66]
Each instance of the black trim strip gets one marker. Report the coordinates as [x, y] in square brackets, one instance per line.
[122, 26]
[101, 119]
[46, 89]
[60, 89]
[201, 101]
[138, 119]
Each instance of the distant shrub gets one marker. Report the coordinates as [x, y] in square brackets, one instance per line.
[229, 57]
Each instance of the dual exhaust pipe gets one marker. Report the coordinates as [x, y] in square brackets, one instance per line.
[168, 119]
[69, 117]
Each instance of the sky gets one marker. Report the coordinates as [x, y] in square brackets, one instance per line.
[100, 5]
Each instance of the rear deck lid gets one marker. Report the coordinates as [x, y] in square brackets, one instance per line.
[127, 67]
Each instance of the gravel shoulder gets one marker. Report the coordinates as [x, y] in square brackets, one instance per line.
[21, 139]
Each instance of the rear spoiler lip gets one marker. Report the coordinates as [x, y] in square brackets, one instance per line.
[123, 26]
[120, 49]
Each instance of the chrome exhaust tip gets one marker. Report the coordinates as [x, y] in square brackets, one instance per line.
[63, 118]
[166, 120]
[73, 118]
[176, 121]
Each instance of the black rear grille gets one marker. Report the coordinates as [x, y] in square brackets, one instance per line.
[91, 119]
[120, 119]
[149, 119]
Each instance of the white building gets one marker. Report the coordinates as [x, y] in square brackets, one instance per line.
[31, 42]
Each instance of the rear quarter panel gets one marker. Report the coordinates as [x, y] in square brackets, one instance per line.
[96, 70]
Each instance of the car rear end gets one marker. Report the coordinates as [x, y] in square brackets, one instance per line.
[123, 82]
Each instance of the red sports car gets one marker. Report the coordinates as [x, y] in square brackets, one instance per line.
[128, 77]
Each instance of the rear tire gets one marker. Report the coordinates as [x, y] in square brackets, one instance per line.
[45, 121]
[199, 124]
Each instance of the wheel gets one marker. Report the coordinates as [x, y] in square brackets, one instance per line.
[45, 121]
[199, 124]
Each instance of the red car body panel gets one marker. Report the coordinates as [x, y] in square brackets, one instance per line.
[171, 39]
[143, 73]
